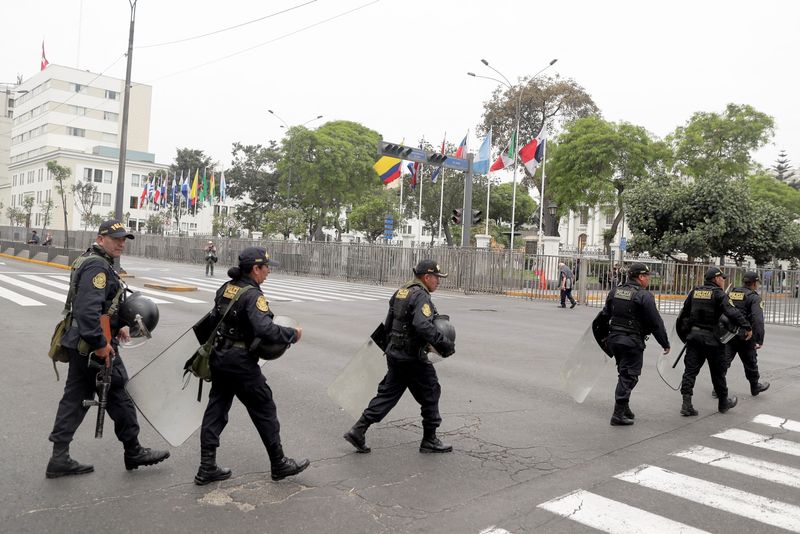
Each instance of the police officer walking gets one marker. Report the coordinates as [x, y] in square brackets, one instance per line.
[411, 328]
[235, 371]
[700, 315]
[98, 291]
[633, 316]
[748, 301]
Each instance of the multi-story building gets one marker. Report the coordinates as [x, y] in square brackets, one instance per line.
[583, 230]
[8, 94]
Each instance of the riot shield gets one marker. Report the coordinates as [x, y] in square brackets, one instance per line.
[167, 400]
[583, 366]
[669, 366]
[358, 382]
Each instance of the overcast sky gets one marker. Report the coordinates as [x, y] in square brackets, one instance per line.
[399, 66]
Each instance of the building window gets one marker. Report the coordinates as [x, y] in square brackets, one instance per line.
[47, 196]
[79, 110]
[96, 198]
[106, 199]
[111, 95]
[77, 87]
[95, 175]
[10, 114]
[109, 116]
[30, 177]
[107, 177]
[77, 132]
[14, 180]
[134, 180]
[134, 202]
[11, 102]
[41, 175]
[610, 217]
[38, 219]
[584, 216]
[38, 197]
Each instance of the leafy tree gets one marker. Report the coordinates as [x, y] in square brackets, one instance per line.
[61, 174]
[369, 215]
[188, 160]
[253, 179]
[764, 186]
[500, 204]
[27, 209]
[783, 170]
[284, 221]
[155, 223]
[595, 161]
[719, 145]
[15, 215]
[47, 208]
[84, 195]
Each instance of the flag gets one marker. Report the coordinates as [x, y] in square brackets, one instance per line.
[414, 170]
[150, 190]
[143, 195]
[506, 158]
[531, 154]
[193, 192]
[164, 190]
[481, 165]
[185, 187]
[176, 188]
[211, 190]
[203, 187]
[461, 151]
[222, 187]
[437, 170]
[157, 193]
[44, 62]
[388, 168]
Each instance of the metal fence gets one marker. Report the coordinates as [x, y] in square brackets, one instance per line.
[470, 270]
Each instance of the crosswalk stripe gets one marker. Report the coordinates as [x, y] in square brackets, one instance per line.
[777, 422]
[762, 441]
[35, 289]
[171, 280]
[762, 509]
[22, 300]
[332, 295]
[772, 472]
[171, 296]
[612, 516]
[47, 281]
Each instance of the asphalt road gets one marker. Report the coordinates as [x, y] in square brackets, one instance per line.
[519, 440]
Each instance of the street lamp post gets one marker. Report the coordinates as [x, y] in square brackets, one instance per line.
[291, 144]
[510, 87]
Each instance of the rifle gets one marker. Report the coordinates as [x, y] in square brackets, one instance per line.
[102, 382]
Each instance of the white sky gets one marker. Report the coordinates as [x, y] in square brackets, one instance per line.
[399, 67]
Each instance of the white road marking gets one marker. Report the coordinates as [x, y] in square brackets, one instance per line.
[47, 281]
[170, 296]
[494, 530]
[612, 516]
[777, 422]
[22, 300]
[762, 441]
[34, 288]
[772, 472]
[769, 511]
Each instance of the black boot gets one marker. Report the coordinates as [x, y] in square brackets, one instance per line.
[282, 466]
[727, 403]
[619, 418]
[356, 436]
[758, 387]
[137, 456]
[687, 409]
[431, 443]
[61, 465]
[628, 413]
[209, 470]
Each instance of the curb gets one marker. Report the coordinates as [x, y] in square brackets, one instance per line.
[164, 287]
[37, 262]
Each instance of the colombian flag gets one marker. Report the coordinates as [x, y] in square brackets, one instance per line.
[388, 169]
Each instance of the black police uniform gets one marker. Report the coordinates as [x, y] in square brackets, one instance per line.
[235, 373]
[750, 304]
[702, 309]
[634, 316]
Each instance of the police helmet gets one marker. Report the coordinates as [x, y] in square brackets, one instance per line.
[272, 351]
[140, 314]
[443, 325]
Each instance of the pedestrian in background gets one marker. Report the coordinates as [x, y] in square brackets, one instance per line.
[48, 240]
[34, 240]
[211, 257]
[565, 284]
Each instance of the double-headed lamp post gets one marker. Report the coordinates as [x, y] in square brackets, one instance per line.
[291, 143]
[510, 87]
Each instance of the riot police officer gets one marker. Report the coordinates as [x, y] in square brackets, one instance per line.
[411, 328]
[633, 316]
[97, 290]
[748, 301]
[235, 371]
[700, 318]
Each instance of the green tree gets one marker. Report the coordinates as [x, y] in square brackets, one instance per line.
[719, 145]
[155, 223]
[596, 161]
[47, 209]
[61, 174]
[764, 186]
[27, 209]
[369, 215]
[188, 160]
[500, 203]
[83, 193]
[284, 221]
[15, 215]
[783, 170]
[253, 179]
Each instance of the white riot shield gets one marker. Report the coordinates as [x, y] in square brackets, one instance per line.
[171, 403]
[670, 367]
[583, 366]
[358, 382]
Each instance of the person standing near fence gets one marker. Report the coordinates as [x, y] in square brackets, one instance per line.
[748, 301]
[565, 284]
[633, 315]
[211, 257]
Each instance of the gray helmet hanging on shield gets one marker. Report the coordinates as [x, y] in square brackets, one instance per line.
[140, 314]
[443, 325]
[272, 351]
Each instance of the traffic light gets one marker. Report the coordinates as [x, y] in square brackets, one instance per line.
[457, 216]
[436, 159]
[476, 217]
[394, 150]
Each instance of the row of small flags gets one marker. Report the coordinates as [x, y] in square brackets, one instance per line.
[390, 169]
[163, 190]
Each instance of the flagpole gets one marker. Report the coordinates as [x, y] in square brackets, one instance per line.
[488, 187]
[419, 210]
[541, 200]
[441, 205]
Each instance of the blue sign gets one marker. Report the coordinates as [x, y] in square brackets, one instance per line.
[623, 243]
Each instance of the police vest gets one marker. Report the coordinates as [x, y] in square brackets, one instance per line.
[739, 298]
[623, 317]
[704, 312]
[400, 335]
[236, 325]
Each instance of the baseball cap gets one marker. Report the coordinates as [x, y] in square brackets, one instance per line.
[636, 269]
[113, 228]
[713, 272]
[750, 276]
[429, 267]
[255, 256]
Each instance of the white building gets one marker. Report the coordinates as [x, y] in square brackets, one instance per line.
[583, 230]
